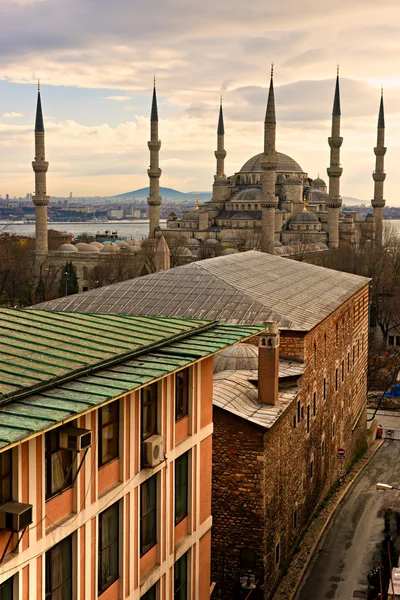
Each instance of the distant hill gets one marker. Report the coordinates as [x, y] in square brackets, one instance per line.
[349, 201]
[168, 193]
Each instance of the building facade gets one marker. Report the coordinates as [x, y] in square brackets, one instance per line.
[105, 456]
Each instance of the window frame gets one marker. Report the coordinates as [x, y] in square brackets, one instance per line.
[144, 516]
[10, 582]
[184, 584]
[182, 408]
[101, 550]
[114, 420]
[147, 401]
[182, 487]
[48, 595]
[6, 475]
[152, 591]
[48, 453]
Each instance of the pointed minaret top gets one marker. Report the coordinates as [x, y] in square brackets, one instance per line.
[154, 111]
[381, 118]
[221, 129]
[39, 125]
[270, 114]
[336, 103]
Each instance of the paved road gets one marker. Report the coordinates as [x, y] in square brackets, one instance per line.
[345, 553]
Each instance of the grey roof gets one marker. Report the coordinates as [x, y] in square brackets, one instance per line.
[304, 216]
[154, 111]
[239, 214]
[249, 287]
[39, 125]
[381, 118]
[237, 392]
[220, 129]
[336, 101]
[286, 164]
[249, 194]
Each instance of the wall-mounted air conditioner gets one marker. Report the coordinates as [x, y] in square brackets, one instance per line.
[153, 451]
[15, 516]
[74, 438]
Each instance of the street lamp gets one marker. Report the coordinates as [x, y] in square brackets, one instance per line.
[384, 487]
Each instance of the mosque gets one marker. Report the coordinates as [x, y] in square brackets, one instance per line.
[271, 204]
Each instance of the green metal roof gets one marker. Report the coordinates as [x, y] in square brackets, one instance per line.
[56, 366]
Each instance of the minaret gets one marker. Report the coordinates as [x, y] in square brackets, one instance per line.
[334, 171]
[379, 175]
[221, 189]
[154, 172]
[269, 201]
[40, 199]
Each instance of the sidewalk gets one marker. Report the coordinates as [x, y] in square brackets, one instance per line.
[290, 583]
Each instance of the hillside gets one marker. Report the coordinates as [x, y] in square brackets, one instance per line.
[168, 193]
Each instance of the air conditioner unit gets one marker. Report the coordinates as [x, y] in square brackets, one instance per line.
[15, 516]
[153, 451]
[74, 438]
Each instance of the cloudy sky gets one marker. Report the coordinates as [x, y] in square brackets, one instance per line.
[96, 60]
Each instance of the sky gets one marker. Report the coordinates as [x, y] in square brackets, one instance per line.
[96, 61]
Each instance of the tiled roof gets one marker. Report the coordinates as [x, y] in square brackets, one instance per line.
[248, 287]
[55, 366]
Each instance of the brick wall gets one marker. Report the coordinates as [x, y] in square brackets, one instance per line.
[286, 490]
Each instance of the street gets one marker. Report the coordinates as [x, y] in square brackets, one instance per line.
[345, 554]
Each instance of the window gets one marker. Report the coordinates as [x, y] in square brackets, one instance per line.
[5, 477]
[336, 379]
[314, 403]
[315, 355]
[277, 553]
[181, 487]
[324, 388]
[354, 354]
[298, 411]
[311, 469]
[295, 518]
[358, 349]
[181, 393]
[333, 429]
[337, 333]
[180, 578]
[149, 411]
[6, 590]
[308, 418]
[58, 465]
[325, 345]
[108, 569]
[342, 370]
[323, 448]
[294, 422]
[348, 362]
[151, 594]
[59, 571]
[108, 432]
[148, 521]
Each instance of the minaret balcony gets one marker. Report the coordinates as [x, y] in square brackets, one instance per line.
[154, 173]
[40, 166]
[380, 151]
[40, 200]
[335, 142]
[378, 203]
[378, 176]
[220, 153]
[154, 145]
[153, 201]
[334, 171]
[335, 202]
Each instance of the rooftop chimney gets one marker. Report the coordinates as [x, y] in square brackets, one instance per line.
[268, 365]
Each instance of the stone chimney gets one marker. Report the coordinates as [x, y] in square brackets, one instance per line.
[163, 256]
[268, 365]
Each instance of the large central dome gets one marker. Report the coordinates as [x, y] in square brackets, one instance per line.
[285, 164]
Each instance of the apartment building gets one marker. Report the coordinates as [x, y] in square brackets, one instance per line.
[105, 455]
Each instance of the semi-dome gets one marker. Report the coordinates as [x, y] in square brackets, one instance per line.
[242, 357]
[286, 164]
[304, 216]
[67, 248]
[251, 194]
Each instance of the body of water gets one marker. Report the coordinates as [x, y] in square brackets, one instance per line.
[126, 229]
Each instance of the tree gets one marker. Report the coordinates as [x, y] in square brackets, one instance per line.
[69, 281]
[116, 267]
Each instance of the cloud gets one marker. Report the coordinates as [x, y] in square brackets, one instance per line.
[12, 115]
[117, 98]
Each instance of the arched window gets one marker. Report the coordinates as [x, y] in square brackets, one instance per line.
[85, 273]
[249, 207]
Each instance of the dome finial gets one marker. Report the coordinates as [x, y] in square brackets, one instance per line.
[197, 203]
[304, 203]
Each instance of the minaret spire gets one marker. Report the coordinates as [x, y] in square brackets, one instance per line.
[334, 171]
[220, 153]
[154, 171]
[40, 199]
[379, 175]
[269, 201]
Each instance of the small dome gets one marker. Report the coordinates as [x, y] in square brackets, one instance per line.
[184, 252]
[278, 244]
[133, 243]
[304, 216]
[98, 245]
[251, 194]
[242, 357]
[192, 242]
[293, 180]
[229, 251]
[318, 182]
[82, 247]
[172, 216]
[67, 248]
[229, 237]
[121, 244]
[109, 248]
[211, 242]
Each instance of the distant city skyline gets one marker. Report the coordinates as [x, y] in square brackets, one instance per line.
[96, 62]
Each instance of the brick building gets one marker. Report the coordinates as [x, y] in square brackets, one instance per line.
[105, 455]
[269, 474]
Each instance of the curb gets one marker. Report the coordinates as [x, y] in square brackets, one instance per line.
[328, 520]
